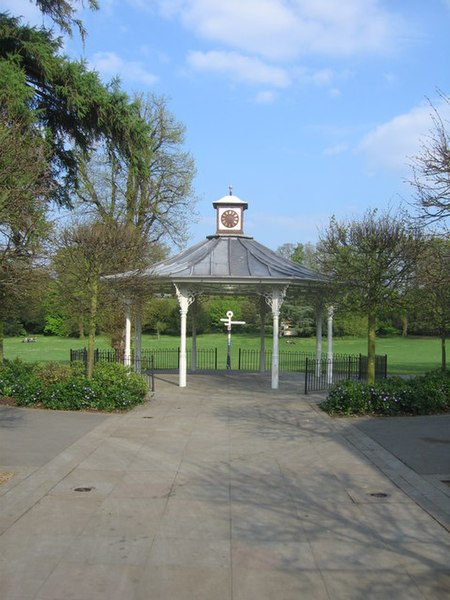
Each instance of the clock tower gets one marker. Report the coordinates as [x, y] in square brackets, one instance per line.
[230, 215]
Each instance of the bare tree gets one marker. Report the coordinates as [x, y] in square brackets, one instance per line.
[431, 173]
[150, 191]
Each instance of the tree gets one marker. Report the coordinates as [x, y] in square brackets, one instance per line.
[433, 278]
[24, 191]
[372, 262]
[431, 173]
[303, 254]
[291, 251]
[87, 252]
[62, 13]
[299, 309]
[63, 100]
[151, 190]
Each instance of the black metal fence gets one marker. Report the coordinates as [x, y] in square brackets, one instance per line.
[323, 373]
[288, 361]
[319, 374]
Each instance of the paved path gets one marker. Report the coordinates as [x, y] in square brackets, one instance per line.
[225, 490]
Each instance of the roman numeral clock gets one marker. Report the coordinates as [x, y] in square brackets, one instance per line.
[230, 212]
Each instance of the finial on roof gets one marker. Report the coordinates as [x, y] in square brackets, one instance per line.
[230, 188]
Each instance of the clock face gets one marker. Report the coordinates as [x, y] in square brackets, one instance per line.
[229, 218]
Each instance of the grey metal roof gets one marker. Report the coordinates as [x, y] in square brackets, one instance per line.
[231, 259]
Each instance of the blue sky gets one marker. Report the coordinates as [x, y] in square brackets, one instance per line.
[308, 108]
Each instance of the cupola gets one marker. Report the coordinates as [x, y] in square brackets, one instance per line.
[230, 215]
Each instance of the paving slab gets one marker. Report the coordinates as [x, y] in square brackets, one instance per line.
[223, 490]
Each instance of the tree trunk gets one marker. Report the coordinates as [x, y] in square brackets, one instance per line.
[81, 327]
[91, 330]
[404, 319]
[371, 334]
[2, 353]
[443, 353]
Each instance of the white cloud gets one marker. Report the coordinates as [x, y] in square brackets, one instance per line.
[335, 150]
[239, 68]
[265, 97]
[111, 64]
[287, 29]
[392, 144]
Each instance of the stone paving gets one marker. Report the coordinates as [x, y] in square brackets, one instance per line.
[225, 490]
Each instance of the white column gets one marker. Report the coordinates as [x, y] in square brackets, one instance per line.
[275, 300]
[262, 337]
[330, 344]
[127, 354]
[138, 338]
[185, 298]
[319, 322]
[194, 337]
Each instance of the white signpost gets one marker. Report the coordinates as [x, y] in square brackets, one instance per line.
[228, 323]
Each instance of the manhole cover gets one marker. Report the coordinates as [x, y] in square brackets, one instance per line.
[83, 489]
[378, 495]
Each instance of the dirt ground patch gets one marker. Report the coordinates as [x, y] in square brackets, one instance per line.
[5, 476]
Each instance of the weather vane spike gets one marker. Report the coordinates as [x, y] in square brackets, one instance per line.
[230, 188]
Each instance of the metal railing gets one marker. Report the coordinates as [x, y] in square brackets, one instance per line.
[321, 374]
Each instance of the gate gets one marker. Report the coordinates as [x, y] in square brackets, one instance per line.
[321, 374]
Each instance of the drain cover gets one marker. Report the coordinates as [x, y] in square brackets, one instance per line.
[84, 489]
[446, 481]
[379, 495]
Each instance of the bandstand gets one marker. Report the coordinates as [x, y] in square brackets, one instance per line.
[229, 263]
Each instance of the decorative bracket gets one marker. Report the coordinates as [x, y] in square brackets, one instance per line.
[185, 298]
[275, 299]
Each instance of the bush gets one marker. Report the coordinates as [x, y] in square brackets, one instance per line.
[18, 381]
[56, 386]
[52, 372]
[424, 395]
[116, 387]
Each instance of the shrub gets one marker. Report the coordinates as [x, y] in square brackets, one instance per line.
[116, 387]
[55, 386]
[18, 381]
[52, 372]
[71, 394]
[427, 394]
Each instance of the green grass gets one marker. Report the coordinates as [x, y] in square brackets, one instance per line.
[405, 355]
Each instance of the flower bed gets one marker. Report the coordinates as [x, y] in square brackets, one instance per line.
[423, 395]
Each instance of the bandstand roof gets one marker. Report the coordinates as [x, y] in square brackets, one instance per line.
[233, 261]
[226, 262]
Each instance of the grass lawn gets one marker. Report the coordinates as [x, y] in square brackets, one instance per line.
[405, 355]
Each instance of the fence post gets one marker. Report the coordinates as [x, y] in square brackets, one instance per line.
[152, 365]
[239, 359]
[306, 375]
